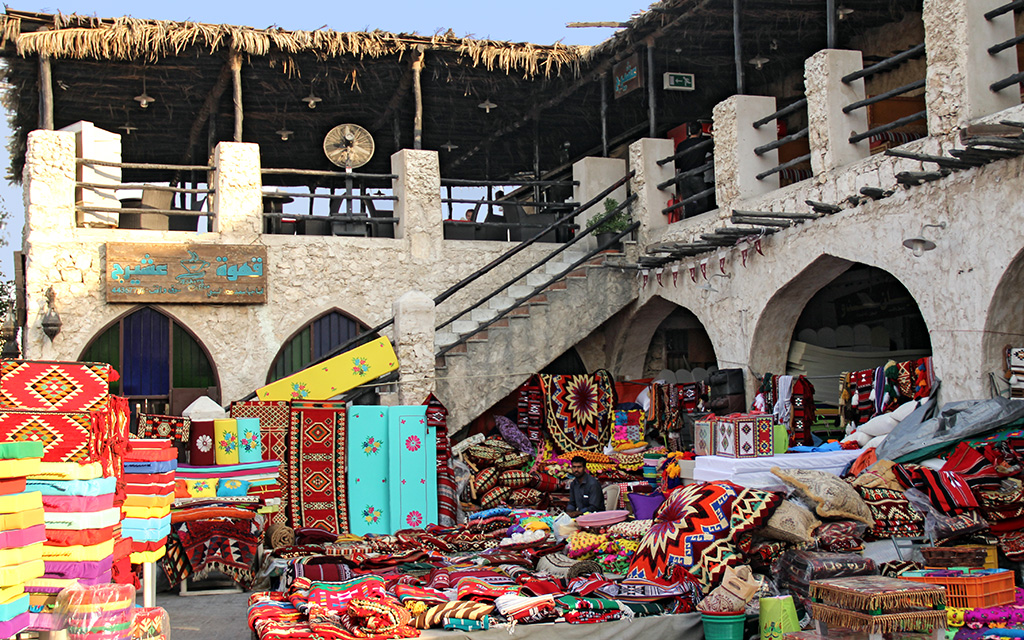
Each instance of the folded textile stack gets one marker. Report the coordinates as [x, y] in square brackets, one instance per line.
[81, 516]
[99, 612]
[21, 533]
[149, 483]
[231, 490]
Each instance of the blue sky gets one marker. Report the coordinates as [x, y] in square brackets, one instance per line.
[539, 21]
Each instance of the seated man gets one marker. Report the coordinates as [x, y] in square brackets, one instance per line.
[585, 494]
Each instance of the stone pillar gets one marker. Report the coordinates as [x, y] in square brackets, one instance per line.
[238, 196]
[49, 197]
[960, 69]
[736, 164]
[830, 129]
[643, 160]
[594, 175]
[418, 208]
[414, 343]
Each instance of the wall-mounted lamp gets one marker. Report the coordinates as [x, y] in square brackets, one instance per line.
[920, 244]
[51, 321]
[9, 333]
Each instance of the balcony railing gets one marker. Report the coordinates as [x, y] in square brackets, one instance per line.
[797, 106]
[886, 65]
[530, 205]
[693, 182]
[350, 203]
[1016, 78]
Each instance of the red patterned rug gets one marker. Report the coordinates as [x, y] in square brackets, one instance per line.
[580, 410]
[66, 437]
[275, 423]
[55, 386]
[316, 466]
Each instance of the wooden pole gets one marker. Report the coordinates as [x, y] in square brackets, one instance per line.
[396, 129]
[45, 93]
[830, 7]
[737, 44]
[604, 115]
[652, 92]
[536, 160]
[417, 90]
[236, 82]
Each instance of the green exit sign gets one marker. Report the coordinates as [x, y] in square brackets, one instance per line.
[678, 81]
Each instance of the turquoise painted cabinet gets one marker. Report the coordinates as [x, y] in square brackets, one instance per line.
[413, 468]
[368, 491]
[392, 469]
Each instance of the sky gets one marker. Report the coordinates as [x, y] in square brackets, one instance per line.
[538, 21]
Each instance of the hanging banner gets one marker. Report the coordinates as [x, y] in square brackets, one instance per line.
[186, 273]
[626, 76]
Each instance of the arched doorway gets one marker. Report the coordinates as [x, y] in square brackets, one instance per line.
[680, 343]
[163, 366]
[568, 364]
[313, 341]
[1004, 324]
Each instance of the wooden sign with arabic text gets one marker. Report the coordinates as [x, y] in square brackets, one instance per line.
[186, 273]
[626, 76]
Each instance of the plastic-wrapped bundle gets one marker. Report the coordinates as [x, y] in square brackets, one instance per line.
[151, 623]
[796, 569]
[98, 612]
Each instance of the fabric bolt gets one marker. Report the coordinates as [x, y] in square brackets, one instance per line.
[316, 466]
[201, 449]
[530, 409]
[579, 410]
[892, 513]
[250, 440]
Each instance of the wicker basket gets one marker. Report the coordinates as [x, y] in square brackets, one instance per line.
[954, 556]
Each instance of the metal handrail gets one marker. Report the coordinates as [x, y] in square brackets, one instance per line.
[895, 124]
[885, 65]
[595, 223]
[784, 111]
[509, 202]
[784, 166]
[907, 88]
[775, 144]
[682, 154]
[330, 218]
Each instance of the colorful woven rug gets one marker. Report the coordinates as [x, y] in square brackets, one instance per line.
[226, 545]
[530, 410]
[175, 428]
[316, 466]
[55, 386]
[275, 422]
[580, 410]
[66, 437]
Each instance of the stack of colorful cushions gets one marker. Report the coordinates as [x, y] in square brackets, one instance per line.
[250, 483]
[81, 519]
[149, 475]
[21, 533]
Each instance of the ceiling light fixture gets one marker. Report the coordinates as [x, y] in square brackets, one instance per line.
[759, 61]
[284, 133]
[844, 12]
[919, 245]
[312, 99]
[144, 99]
[449, 146]
[487, 105]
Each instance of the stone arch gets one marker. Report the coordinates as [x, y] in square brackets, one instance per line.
[637, 329]
[313, 339]
[1004, 320]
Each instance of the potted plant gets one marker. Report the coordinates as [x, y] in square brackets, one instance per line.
[613, 226]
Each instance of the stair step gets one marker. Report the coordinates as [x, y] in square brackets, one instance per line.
[536, 279]
[555, 267]
[557, 286]
[462, 327]
[444, 338]
[478, 337]
[579, 272]
[483, 314]
[458, 349]
[539, 299]
[501, 302]
[519, 312]
[440, 362]
[518, 291]
[499, 324]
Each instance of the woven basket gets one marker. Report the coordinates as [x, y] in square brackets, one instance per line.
[954, 556]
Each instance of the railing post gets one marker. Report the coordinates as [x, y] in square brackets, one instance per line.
[736, 164]
[49, 196]
[415, 320]
[594, 175]
[829, 129]
[238, 196]
[643, 161]
[960, 69]
[418, 208]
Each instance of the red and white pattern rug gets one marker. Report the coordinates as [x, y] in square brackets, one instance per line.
[316, 466]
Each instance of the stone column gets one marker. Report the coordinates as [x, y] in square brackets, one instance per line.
[418, 208]
[736, 164]
[830, 129]
[414, 343]
[49, 197]
[594, 175]
[643, 159]
[237, 197]
[960, 69]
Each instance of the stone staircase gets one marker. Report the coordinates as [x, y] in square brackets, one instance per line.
[474, 375]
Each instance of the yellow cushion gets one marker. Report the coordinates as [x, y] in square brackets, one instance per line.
[79, 553]
[146, 512]
[19, 555]
[18, 468]
[149, 500]
[68, 471]
[141, 557]
[22, 519]
[206, 488]
[12, 591]
[21, 573]
[17, 502]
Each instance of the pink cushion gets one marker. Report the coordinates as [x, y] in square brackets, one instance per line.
[602, 518]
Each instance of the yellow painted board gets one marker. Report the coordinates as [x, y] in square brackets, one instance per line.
[335, 376]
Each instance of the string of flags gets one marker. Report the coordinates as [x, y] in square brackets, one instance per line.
[701, 268]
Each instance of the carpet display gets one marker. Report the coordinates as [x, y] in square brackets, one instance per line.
[316, 466]
[275, 423]
[228, 546]
[579, 409]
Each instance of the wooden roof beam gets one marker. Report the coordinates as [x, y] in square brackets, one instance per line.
[205, 112]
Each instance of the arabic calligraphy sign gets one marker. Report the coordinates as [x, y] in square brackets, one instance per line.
[186, 273]
[626, 76]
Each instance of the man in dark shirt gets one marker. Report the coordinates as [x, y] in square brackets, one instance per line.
[585, 494]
